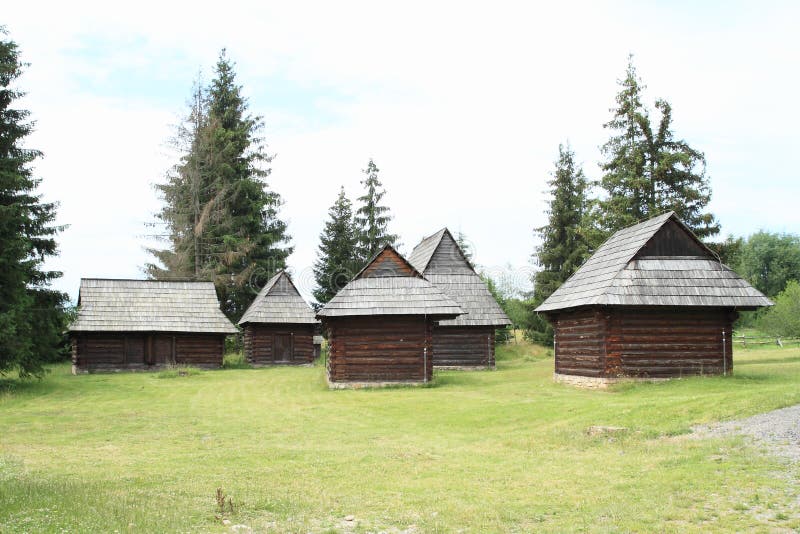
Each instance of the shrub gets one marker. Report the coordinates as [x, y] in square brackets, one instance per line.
[235, 360]
[783, 319]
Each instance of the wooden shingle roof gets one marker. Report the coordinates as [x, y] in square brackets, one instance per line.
[149, 306]
[658, 262]
[279, 302]
[443, 263]
[423, 252]
[389, 285]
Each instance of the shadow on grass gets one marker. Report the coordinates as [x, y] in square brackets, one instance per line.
[768, 361]
[679, 382]
[14, 386]
[460, 378]
[178, 371]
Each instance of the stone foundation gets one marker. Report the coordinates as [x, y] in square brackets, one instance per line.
[138, 368]
[596, 382]
[363, 385]
[280, 364]
[464, 367]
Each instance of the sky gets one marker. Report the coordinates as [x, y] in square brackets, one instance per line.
[462, 105]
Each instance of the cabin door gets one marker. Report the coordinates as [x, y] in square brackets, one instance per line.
[162, 350]
[283, 347]
[134, 349]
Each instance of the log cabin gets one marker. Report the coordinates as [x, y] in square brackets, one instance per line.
[652, 302]
[466, 342]
[380, 325]
[147, 324]
[279, 325]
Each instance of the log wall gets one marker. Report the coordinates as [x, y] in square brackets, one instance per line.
[580, 343]
[668, 343]
[259, 343]
[463, 346]
[112, 351]
[379, 349]
[643, 342]
[199, 350]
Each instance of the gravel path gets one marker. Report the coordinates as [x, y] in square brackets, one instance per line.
[778, 431]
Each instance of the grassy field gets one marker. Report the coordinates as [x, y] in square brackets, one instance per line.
[479, 452]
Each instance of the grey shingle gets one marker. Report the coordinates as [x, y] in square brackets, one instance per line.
[442, 262]
[423, 252]
[279, 302]
[617, 275]
[149, 306]
[389, 295]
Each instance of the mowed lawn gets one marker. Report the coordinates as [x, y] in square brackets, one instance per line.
[478, 452]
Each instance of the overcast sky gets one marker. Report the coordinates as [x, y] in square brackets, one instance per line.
[462, 105]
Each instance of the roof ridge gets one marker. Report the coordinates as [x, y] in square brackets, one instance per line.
[152, 305]
[273, 281]
[357, 298]
[590, 284]
[149, 280]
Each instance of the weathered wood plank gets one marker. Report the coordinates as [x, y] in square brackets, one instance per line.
[382, 349]
[260, 339]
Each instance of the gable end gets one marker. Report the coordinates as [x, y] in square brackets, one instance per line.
[673, 240]
[448, 258]
[388, 263]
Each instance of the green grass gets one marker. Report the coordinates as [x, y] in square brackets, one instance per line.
[480, 451]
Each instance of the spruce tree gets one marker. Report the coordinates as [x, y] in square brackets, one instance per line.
[372, 218]
[221, 216]
[337, 258]
[247, 239]
[564, 239]
[648, 171]
[679, 172]
[630, 196]
[186, 190]
[32, 316]
[564, 245]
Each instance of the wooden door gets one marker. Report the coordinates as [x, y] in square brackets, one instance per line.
[162, 349]
[283, 347]
[135, 350]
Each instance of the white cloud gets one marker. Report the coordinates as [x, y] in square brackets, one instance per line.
[462, 105]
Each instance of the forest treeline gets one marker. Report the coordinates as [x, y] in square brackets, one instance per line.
[220, 219]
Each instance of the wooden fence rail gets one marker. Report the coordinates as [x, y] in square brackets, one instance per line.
[780, 341]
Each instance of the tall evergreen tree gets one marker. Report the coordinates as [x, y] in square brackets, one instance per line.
[337, 260]
[630, 196]
[372, 218]
[221, 216]
[564, 243]
[31, 312]
[248, 238]
[648, 171]
[679, 172]
[186, 190]
[564, 239]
